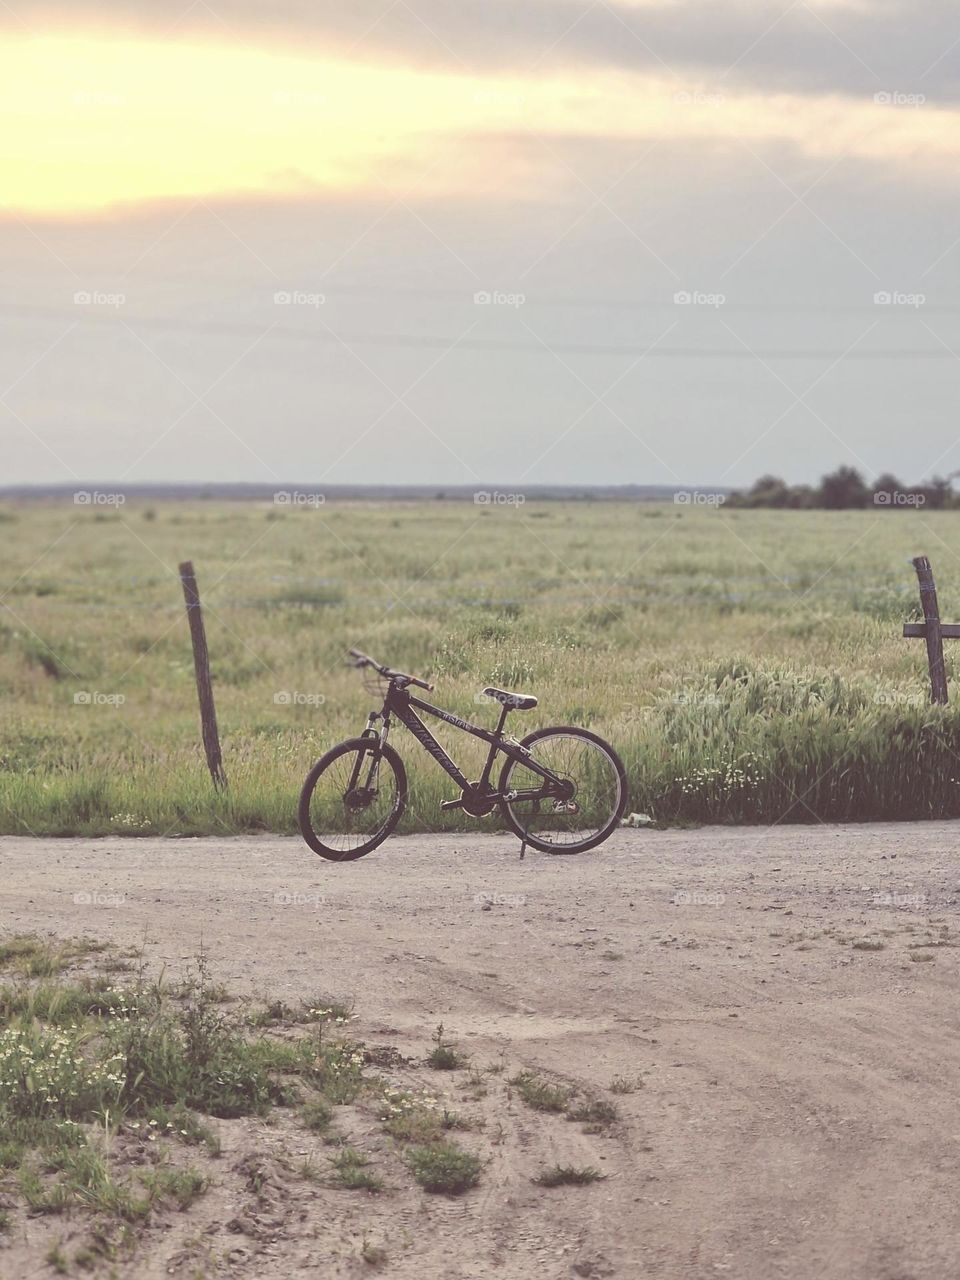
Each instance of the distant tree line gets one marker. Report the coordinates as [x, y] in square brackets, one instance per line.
[846, 488]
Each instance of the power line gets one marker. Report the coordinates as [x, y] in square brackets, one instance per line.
[326, 337]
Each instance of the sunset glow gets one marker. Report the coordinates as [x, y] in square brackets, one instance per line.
[99, 120]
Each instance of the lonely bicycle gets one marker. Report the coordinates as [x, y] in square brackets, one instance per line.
[560, 790]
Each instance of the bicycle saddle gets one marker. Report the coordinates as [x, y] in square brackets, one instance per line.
[516, 701]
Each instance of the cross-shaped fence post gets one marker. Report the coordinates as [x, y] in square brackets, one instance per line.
[931, 629]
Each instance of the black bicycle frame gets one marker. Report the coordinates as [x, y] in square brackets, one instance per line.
[401, 704]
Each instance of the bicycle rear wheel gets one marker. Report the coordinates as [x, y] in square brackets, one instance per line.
[594, 806]
[352, 799]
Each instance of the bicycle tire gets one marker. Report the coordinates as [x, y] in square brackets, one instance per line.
[307, 828]
[610, 823]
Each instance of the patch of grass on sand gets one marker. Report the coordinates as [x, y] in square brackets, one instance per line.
[445, 1168]
[564, 1175]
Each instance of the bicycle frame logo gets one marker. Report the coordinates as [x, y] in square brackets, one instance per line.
[427, 740]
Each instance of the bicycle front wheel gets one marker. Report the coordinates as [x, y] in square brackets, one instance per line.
[595, 798]
[352, 799]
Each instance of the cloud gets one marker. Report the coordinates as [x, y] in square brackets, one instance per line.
[804, 47]
[298, 391]
[573, 170]
[139, 120]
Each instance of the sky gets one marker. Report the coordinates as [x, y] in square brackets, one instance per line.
[476, 241]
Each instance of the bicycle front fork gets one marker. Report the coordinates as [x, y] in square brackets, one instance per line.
[371, 732]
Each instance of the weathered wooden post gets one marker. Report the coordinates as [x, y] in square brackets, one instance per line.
[201, 664]
[931, 629]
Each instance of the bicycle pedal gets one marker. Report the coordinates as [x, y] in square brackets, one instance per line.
[451, 804]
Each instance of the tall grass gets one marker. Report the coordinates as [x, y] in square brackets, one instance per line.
[748, 665]
[756, 743]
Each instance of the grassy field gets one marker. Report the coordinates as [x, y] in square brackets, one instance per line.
[748, 665]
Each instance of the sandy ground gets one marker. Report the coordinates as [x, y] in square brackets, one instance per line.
[798, 1115]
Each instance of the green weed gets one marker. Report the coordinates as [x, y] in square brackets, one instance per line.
[540, 1094]
[444, 1168]
[561, 1175]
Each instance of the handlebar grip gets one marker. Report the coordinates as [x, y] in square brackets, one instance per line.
[364, 660]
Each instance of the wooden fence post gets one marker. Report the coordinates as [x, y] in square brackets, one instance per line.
[201, 664]
[934, 637]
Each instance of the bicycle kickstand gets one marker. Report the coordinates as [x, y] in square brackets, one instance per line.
[523, 849]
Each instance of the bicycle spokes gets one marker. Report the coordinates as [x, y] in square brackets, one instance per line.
[575, 810]
[353, 799]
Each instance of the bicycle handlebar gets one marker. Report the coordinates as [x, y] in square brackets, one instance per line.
[364, 661]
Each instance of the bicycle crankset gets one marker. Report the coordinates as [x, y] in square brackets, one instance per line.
[473, 801]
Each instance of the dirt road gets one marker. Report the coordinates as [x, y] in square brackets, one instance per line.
[798, 1113]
